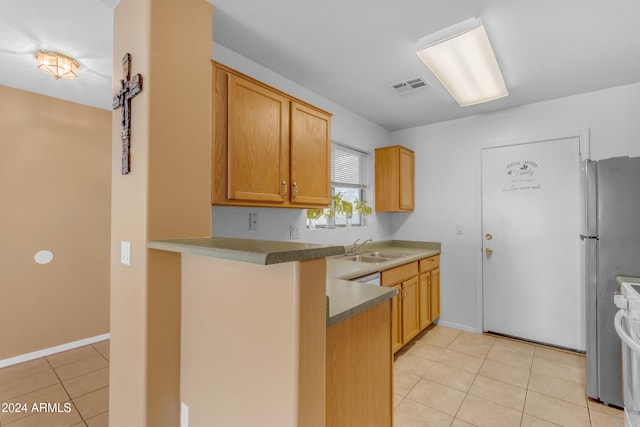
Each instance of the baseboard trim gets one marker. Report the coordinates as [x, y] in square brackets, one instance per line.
[52, 350]
[458, 326]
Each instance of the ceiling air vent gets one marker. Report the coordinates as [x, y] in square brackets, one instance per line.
[411, 85]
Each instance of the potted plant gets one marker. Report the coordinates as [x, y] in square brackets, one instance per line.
[338, 207]
[313, 215]
[362, 209]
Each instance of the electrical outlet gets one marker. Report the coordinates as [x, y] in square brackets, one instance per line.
[125, 253]
[184, 415]
[294, 232]
[253, 222]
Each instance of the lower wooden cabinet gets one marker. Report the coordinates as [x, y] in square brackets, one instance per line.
[359, 370]
[435, 294]
[410, 309]
[396, 320]
[417, 303]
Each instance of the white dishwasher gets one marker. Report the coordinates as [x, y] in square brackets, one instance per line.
[627, 323]
[370, 279]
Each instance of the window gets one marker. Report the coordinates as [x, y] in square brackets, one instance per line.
[348, 183]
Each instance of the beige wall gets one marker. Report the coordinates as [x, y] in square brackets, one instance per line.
[166, 195]
[55, 195]
[253, 343]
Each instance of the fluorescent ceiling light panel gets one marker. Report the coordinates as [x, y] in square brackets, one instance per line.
[462, 59]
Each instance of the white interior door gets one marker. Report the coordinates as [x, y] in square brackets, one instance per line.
[531, 253]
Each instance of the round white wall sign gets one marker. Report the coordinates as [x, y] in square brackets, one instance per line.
[43, 257]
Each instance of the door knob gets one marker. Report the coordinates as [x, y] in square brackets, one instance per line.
[488, 236]
[488, 251]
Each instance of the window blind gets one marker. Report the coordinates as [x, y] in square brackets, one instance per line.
[348, 167]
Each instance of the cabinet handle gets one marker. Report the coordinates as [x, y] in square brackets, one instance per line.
[295, 191]
[284, 189]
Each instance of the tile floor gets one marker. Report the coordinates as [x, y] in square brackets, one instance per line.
[447, 377]
[78, 377]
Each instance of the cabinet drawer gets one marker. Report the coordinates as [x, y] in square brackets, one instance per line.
[429, 263]
[398, 274]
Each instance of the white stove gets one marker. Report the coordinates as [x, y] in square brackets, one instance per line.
[627, 323]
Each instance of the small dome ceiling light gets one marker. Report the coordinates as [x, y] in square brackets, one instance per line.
[57, 65]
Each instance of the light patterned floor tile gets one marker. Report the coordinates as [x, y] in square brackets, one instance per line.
[453, 377]
[459, 423]
[531, 421]
[437, 396]
[599, 419]
[414, 414]
[597, 406]
[505, 373]
[101, 420]
[94, 403]
[12, 373]
[560, 356]
[66, 357]
[499, 392]
[507, 356]
[461, 360]
[103, 348]
[403, 382]
[397, 398]
[412, 364]
[52, 394]
[87, 383]
[472, 344]
[81, 367]
[427, 351]
[49, 419]
[481, 413]
[25, 385]
[562, 389]
[556, 410]
[559, 370]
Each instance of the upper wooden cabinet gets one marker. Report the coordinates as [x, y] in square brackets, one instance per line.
[394, 179]
[269, 149]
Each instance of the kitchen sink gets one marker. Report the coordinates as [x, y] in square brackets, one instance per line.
[390, 255]
[372, 256]
[364, 258]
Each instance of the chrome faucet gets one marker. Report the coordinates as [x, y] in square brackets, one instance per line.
[356, 246]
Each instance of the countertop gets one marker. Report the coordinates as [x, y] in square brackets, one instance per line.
[345, 297]
[263, 252]
[626, 279]
[348, 298]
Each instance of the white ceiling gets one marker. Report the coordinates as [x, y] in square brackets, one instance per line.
[351, 52]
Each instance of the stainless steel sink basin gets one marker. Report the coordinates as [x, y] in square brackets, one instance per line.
[372, 256]
[364, 258]
[390, 255]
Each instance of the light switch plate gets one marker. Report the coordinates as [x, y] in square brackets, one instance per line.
[184, 415]
[459, 229]
[294, 232]
[253, 222]
[125, 253]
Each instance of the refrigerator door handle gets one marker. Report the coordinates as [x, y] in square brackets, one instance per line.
[583, 237]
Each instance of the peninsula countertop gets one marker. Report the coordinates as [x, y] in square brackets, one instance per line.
[263, 252]
[347, 298]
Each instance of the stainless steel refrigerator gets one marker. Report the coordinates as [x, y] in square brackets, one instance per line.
[612, 248]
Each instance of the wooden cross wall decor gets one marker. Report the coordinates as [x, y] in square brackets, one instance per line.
[130, 87]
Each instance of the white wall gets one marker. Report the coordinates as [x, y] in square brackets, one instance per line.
[347, 128]
[448, 176]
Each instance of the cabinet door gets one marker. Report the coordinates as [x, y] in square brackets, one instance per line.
[258, 142]
[406, 179]
[396, 319]
[310, 156]
[435, 294]
[410, 321]
[424, 300]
